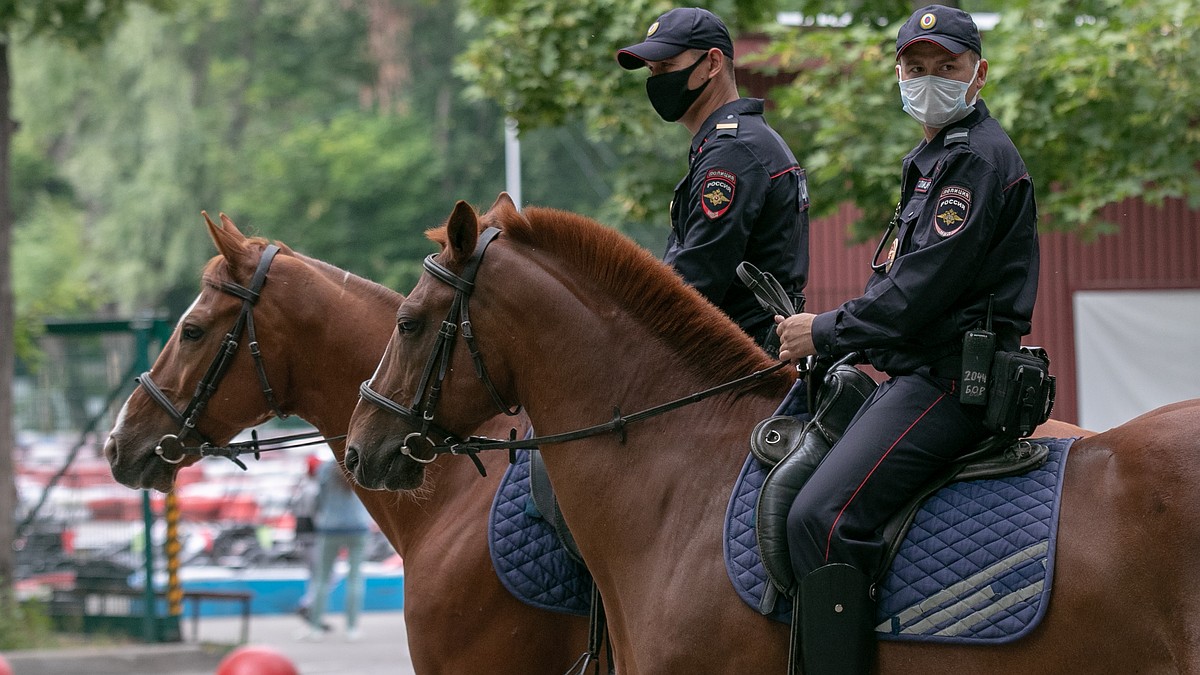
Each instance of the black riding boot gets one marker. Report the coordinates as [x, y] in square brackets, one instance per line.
[838, 614]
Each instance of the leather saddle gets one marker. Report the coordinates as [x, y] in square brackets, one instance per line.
[842, 391]
[795, 447]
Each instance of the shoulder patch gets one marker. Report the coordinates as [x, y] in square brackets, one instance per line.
[953, 207]
[956, 136]
[716, 192]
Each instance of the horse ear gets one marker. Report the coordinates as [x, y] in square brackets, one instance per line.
[462, 231]
[230, 241]
[503, 203]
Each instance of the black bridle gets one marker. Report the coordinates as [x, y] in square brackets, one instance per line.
[420, 413]
[170, 447]
[429, 389]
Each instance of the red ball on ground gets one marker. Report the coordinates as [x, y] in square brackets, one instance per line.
[5, 669]
[255, 660]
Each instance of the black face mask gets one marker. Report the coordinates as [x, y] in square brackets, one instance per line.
[669, 93]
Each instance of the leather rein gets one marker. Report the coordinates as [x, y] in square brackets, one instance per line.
[170, 447]
[420, 413]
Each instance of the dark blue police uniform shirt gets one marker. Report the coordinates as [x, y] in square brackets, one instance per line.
[744, 198]
[967, 230]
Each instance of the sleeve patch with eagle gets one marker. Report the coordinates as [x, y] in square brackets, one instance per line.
[716, 193]
[953, 207]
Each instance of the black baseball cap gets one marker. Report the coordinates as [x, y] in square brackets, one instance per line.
[949, 27]
[679, 29]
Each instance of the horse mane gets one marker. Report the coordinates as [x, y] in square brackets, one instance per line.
[216, 272]
[653, 294]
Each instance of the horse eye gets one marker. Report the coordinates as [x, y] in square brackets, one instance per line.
[407, 325]
[192, 333]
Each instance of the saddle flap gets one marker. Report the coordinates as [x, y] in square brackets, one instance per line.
[843, 392]
[779, 490]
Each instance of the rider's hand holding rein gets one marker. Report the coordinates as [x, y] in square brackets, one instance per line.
[795, 336]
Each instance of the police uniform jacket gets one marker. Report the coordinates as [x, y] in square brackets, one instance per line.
[966, 230]
[744, 198]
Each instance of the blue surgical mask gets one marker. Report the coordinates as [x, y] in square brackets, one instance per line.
[937, 101]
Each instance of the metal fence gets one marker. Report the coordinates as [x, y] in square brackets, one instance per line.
[81, 538]
[88, 544]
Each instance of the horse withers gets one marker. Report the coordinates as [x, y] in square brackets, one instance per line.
[321, 331]
[580, 326]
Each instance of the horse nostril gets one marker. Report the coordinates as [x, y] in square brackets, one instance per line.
[351, 459]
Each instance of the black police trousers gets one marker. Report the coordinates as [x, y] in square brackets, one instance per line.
[910, 428]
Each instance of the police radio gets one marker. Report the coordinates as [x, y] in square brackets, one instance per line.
[979, 346]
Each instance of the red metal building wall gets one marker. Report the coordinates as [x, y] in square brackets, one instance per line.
[1155, 248]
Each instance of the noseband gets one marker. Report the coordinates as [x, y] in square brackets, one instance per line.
[429, 388]
[170, 448]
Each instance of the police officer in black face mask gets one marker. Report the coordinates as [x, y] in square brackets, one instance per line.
[744, 198]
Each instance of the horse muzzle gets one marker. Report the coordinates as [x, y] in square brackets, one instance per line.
[386, 468]
[144, 471]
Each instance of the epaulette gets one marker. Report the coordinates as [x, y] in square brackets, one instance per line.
[956, 136]
[727, 128]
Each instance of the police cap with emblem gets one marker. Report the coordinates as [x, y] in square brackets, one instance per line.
[951, 28]
[677, 30]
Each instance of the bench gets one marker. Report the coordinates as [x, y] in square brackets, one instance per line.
[197, 597]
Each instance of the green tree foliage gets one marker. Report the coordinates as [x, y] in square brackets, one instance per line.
[118, 123]
[1113, 113]
[329, 187]
[76, 22]
[270, 112]
[547, 63]
[1100, 96]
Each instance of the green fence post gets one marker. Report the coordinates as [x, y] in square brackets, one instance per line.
[141, 332]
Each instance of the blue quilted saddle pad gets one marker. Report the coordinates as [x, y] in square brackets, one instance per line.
[530, 560]
[975, 568]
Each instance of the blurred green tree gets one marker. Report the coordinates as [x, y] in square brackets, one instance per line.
[77, 22]
[1100, 96]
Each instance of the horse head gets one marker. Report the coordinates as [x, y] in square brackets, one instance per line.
[388, 444]
[235, 399]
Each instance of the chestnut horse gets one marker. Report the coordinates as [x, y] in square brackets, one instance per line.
[321, 331]
[574, 321]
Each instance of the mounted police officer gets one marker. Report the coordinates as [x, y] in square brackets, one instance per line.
[744, 198]
[964, 238]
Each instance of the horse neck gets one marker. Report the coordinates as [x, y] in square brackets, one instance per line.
[334, 345]
[336, 333]
[605, 365]
[668, 467]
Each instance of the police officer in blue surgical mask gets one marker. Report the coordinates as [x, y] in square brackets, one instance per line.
[744, 198]
[964, 238]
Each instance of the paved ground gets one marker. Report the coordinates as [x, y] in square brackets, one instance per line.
[382, 650]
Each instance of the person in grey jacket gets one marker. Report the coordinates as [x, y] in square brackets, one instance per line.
[342, 524]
